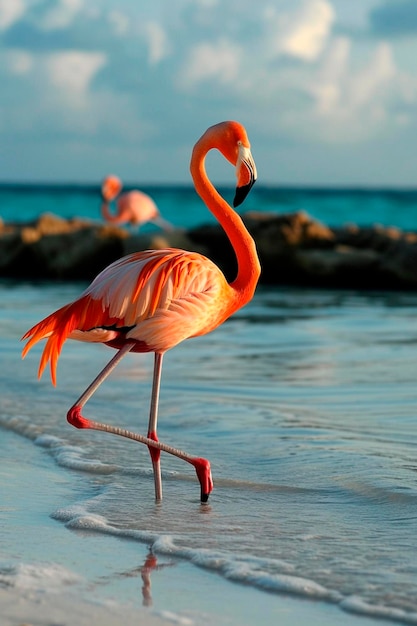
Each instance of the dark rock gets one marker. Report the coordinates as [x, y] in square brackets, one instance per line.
[294, 249]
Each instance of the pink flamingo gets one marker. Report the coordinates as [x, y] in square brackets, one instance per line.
[133, 207]
[151, 301]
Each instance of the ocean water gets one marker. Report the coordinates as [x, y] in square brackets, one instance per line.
[305, 402]
[182, 207]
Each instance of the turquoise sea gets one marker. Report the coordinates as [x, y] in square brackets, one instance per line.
[181, 206]
[305, 402]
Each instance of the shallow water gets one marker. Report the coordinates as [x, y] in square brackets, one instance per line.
[305, 404]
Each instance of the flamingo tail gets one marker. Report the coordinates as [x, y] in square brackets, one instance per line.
[55, 328]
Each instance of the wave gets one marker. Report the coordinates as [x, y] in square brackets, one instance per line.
[42, 576]
[64, 454]
[72, 456]
[238, 568]
[268, 574]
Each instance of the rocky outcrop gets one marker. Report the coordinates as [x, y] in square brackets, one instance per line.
[294, 249]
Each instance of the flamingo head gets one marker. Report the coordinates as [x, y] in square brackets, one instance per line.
[231, 140]
[110, 188]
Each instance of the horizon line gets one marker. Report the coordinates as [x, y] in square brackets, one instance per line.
[359, 187]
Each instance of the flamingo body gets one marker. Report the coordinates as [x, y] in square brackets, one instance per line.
[136, 299]
[132, 207]
[151, 301]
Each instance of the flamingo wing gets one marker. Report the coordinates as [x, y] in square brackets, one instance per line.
[155, 298]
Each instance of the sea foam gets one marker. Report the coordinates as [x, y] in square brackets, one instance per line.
[50, 576]
[272, 575]
[72, 457]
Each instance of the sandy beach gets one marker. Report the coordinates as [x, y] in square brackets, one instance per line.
[32, 609]
[224, 604]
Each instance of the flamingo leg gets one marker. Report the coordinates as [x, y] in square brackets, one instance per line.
[74, 417]
[92, 388]
[152, 427]
[159, 221]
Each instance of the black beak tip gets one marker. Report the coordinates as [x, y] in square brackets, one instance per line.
[241, 193]
[204, 498]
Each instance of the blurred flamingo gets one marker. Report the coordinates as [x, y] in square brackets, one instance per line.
[133, 207]
[151, 301]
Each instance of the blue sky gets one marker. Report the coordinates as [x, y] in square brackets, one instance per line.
[327, 89]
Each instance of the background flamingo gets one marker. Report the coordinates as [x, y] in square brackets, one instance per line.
[151, 301]
[133, 207]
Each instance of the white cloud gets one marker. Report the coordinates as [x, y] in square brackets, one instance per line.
[342, 91]
[73, 71]
[19, 62]
[363, 86]
[352, 102]
[119, 22]
[327, 89]
[61, 14]
[284, 69]
[219, 61]
[335, 63]
[157, 42]
[207, 3]
[300, 33]
[10, 12]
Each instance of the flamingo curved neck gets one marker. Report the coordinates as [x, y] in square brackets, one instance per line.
[243, 244]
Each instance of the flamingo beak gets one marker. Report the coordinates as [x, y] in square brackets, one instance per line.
[203, 471]
[246, 175]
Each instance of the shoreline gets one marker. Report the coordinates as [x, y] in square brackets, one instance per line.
[40, 609]
[76, 578]
[69, 609]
